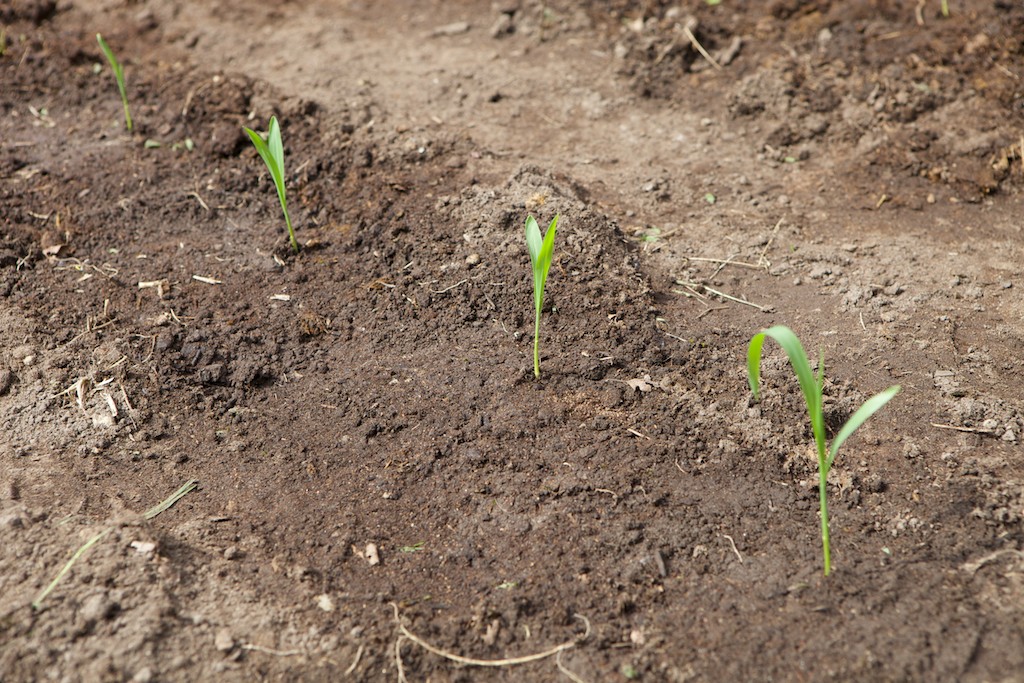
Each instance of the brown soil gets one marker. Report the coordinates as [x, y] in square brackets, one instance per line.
[850, 169]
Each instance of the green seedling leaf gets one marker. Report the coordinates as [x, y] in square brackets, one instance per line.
[165, 505]
[812, 386]
[115, 66]
[869, 408]
[271, 150]
[37, 603]
[541, 251]
[414, 548]
[710, 198]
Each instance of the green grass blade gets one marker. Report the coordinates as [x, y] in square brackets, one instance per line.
[67, 567]
[754, 365]
[797, 358]
[185, 489]
[268, 158]
[276, 146]
[119, 77]
[870, 407]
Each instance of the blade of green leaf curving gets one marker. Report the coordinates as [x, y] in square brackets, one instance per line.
[266, 153]
[810, 385]
[261, 146]
[870, 407]
[797, 358]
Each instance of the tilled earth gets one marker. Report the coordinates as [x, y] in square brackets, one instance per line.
[379, 472]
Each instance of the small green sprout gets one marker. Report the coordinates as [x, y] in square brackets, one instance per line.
[119, 76]
[272, 152]
[945, 8]
[541, 251]
[414, 548]
[812, 387]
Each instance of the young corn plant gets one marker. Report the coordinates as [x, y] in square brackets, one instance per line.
[271, 151]
[812, 387]
[541, 251]
[115, 66]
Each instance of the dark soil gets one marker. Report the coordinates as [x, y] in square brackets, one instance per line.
[370, 443]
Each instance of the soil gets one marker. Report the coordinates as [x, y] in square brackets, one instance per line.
[372, 450]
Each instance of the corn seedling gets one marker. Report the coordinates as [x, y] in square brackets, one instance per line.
[271, 151]
[541, 251]
[812, 387]
[115, 66]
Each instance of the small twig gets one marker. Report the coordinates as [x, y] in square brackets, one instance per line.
[972, 567]
[469, 661]
[724, 262]
[733, 544]
[711, 309]
[700, 48]
[693, 291]
[355, 662]
[268, 651]
[761, 260]
[199, 199]
[637, 434]
[962, 429]
[693, 285]
[451, 287]
[561, 667]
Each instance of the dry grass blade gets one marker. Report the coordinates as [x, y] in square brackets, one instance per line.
[469, 661]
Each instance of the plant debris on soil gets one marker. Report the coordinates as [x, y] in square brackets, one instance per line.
[384, 491]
